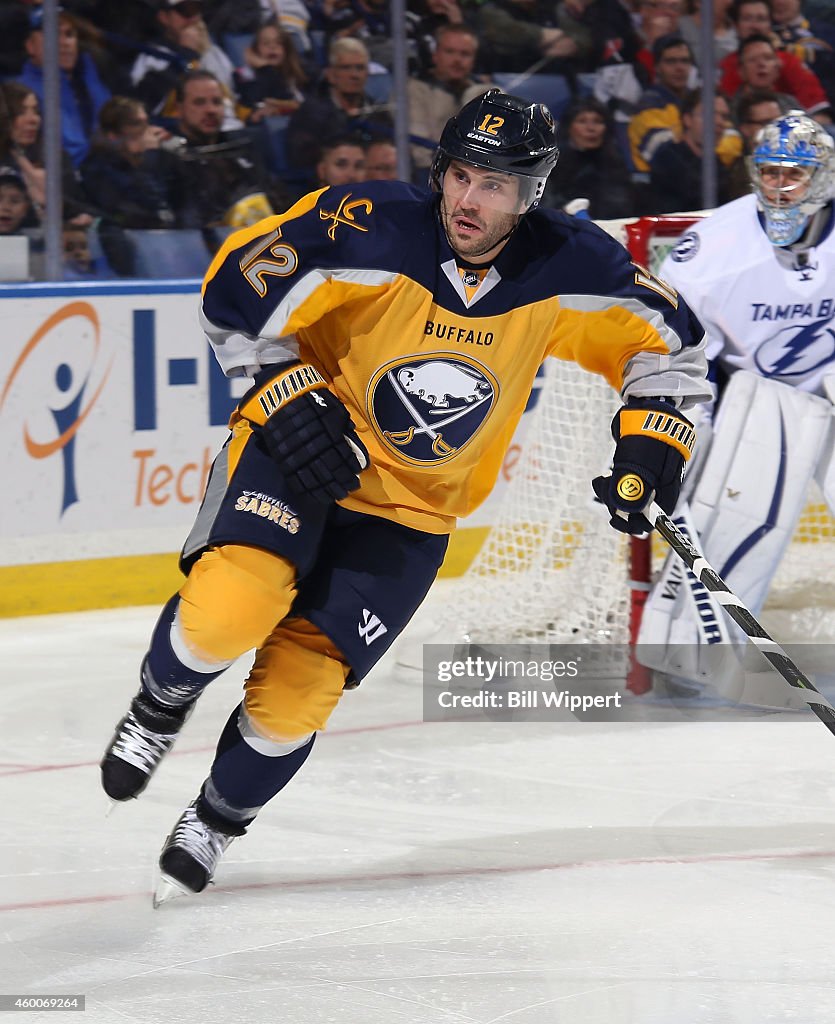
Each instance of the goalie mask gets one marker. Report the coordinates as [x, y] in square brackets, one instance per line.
[792, 171]
[501, 133]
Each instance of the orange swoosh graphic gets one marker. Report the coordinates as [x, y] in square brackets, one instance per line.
[35, 448]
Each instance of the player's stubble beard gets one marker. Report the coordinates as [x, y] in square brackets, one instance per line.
[493, 234]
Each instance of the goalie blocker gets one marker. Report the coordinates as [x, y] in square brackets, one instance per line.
[769, 440]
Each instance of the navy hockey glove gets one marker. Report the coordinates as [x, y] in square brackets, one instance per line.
[307, 430]
[654, 441]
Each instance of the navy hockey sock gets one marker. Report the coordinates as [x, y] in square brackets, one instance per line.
[242, 780]
[173, 677]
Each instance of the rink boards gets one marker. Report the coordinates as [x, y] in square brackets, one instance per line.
[111, 409]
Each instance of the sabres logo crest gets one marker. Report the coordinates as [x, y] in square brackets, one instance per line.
[427, 408]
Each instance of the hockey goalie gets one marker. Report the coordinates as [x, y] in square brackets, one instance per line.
[760, 274]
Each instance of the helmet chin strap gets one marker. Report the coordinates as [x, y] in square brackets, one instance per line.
[498, 241]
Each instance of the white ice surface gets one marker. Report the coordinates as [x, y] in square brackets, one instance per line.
[523, 873]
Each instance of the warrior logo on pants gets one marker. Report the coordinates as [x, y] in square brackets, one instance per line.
[427, 408]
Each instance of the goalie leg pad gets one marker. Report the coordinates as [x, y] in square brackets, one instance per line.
[767, 441]
[826, 464]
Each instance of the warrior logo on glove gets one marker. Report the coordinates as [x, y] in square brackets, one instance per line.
[630, 487]
[654, 441]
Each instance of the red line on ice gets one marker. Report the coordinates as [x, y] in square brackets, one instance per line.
[442, 873]
[27, 769]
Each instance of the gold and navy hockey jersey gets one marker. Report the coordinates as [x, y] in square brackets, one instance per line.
[435, 361]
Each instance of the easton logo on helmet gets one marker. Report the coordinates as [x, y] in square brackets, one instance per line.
[503, 133]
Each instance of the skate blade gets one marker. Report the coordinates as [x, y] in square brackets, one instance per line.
[168, 889]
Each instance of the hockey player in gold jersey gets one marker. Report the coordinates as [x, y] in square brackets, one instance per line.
[392, 336]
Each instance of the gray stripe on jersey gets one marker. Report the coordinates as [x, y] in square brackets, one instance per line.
[215, 491]
[276, 325]
[243, 355]
[599, 303]
[679, 375]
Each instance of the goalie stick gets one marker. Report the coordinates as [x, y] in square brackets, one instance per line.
[769, 648]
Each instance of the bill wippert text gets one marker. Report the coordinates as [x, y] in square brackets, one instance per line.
[533, 699]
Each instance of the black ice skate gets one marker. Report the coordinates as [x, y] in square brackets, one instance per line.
[192, 852]
[142, 739]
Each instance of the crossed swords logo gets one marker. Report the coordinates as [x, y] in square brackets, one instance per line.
[344, 214]
[400, 438]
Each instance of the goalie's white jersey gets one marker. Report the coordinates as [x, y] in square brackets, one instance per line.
[766, 310]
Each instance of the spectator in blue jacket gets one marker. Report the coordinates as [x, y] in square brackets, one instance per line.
[82, 91]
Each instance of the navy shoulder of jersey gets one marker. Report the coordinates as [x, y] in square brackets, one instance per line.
[552, 253]
[565, 255]
[378, 225]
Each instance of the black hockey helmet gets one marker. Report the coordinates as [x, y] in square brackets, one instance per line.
[503, 133]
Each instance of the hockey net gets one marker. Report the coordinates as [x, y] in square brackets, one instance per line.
[552, 570]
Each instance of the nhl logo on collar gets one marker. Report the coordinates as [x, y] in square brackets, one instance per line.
[427, 408]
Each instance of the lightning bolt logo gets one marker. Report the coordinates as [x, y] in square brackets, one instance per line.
[797, 352]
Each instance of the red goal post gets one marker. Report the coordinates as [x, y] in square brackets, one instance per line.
[648, 240]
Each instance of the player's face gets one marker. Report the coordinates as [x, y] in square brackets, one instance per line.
[783, 185]
[479, 208]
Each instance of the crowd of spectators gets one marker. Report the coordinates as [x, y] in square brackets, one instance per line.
[206, 115]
